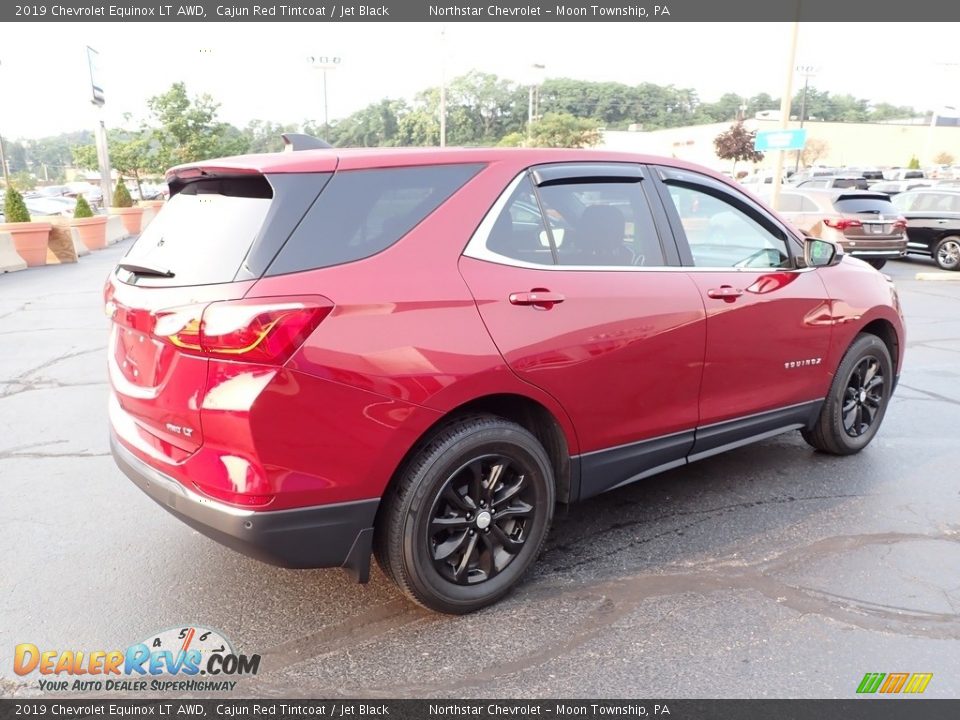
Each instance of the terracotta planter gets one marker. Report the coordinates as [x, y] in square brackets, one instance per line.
[132, 218]
[30, 240]
[155, 204]
[92, 231]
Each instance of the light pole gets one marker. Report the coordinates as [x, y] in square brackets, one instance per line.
[808, 71]
[324, 63]
[537, 73]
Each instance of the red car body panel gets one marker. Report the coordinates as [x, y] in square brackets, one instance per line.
[594, 353]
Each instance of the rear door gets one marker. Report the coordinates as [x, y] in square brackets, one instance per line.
[768, 324]
[584, 301]
[207, 244]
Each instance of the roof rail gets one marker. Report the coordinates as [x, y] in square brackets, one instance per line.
[294, 142]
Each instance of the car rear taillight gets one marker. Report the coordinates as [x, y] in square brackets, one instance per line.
[259, 330]
[900, 223]
[263, 331]
[842, 223]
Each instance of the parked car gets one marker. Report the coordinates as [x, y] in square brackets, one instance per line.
[893, 187]
[50, 206]
[51, 191]
[373, 351]
[835, 181]
[903, 174]
[812, 173]
[866, 224]
[933, 223]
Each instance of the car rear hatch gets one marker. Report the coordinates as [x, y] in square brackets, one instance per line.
[868, 219]
[186, 273]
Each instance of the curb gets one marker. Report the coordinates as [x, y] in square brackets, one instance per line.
[941, 276]
[10, 260]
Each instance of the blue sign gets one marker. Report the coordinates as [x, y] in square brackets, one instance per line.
[780, 139]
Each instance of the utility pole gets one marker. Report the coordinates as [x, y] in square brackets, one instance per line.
[807, 71]
[443, 86]
[785, 113]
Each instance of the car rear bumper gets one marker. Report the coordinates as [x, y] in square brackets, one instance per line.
[336, 535]
[887, 253]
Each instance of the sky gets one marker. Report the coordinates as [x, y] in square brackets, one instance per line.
[260, 70]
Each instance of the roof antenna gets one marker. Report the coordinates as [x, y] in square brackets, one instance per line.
[294, 142]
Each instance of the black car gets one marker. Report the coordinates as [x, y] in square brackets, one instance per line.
[933, 223]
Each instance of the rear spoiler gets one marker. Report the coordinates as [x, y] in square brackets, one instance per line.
[295, 142]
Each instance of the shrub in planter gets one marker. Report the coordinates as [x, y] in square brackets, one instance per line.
[91, 228]
[29, 238]
[123, 206]
[82, 210]
[121, 196]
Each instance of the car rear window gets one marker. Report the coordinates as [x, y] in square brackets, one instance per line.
[864, 204]
[204, 231]
[362, 212]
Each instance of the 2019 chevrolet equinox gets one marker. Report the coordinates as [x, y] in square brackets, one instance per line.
[321, 355]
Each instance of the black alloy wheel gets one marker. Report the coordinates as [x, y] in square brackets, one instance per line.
[479, 521]
[863, 396]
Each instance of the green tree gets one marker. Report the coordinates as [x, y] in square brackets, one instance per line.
[562, 130]
[914, 163]
[132, 153]
[736, 143]
[263, 136]
[14, 209]
[82, 209]
[187, 129]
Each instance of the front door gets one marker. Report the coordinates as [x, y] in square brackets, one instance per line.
[768, 323]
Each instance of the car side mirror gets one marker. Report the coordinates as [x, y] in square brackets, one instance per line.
[818, 252]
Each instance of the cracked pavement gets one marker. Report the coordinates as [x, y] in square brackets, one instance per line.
[770, 571]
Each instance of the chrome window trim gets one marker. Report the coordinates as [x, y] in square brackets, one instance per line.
[477, 248]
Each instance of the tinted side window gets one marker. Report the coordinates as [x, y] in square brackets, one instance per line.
[721, 234]
[519, 232]
[362, 212]
[602, 223]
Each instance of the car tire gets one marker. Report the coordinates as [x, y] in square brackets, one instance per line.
[857, 400]
[947, 253]
[877, 264]
[467, 514]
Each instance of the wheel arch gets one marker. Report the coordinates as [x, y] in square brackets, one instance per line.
[885, 330]
[526, 412]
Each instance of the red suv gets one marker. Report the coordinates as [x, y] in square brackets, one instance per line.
[322, 354]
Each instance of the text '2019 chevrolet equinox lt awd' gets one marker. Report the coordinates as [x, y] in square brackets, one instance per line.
[321, 355]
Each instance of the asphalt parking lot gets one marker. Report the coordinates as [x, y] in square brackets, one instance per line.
[770, 571]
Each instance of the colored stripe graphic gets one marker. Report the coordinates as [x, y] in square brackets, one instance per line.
[894, 682]
[918, 682]
[870, 682]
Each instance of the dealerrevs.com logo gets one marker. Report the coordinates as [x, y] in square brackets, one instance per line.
[185, 659]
